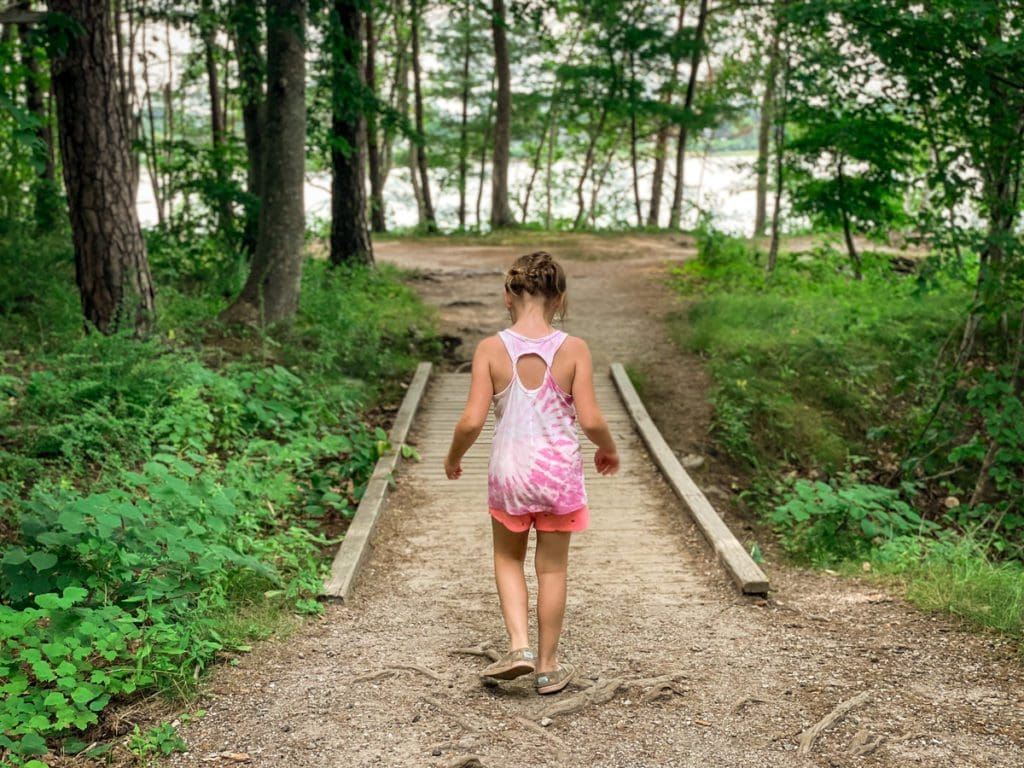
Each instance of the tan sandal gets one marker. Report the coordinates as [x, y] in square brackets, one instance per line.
[512, 665]
[556, 680]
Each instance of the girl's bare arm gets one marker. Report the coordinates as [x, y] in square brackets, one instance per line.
[588, 413]
[468, 429]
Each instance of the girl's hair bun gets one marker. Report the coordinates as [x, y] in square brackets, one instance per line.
[538, 275]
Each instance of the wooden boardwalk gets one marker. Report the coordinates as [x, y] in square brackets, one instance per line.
[629, 549]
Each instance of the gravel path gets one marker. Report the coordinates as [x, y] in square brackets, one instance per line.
[692, 674]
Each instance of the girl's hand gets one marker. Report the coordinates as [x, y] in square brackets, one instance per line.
[452, 469]
[607, 463]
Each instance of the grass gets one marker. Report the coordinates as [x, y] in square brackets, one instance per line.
[818, 375]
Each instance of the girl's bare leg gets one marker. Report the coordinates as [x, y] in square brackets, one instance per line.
[509, 555]
[552, 568]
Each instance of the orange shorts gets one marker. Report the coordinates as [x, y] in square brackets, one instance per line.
[544, 521]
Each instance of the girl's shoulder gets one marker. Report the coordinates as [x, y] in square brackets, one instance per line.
[575, 348]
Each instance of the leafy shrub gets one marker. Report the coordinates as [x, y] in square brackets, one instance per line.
[831, 522]
[147, 497]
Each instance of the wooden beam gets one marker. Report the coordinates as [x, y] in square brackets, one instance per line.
[741, 567]
[356, 545]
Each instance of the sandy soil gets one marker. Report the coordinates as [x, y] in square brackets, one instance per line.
[697, 674]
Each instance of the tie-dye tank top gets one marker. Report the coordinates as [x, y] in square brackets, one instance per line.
[535, 454]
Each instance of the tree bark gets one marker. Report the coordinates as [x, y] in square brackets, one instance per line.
[851, 247]
[588, 162]
[661, 142]
[429, 220]
[350, 237]
[377, 210]
[44, 190]
[247, 30]
[111, 267]
[501, 212]
[218, 126]
[271, 292]
[764, 132]
[691, 89]
[464, 120]
[780, 146]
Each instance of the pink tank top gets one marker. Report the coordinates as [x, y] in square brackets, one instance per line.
[535, 455]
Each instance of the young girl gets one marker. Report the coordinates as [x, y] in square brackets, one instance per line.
[541, 382]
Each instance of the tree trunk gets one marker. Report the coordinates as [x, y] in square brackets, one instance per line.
[780, 146]
[483, 159]
[501, 212]
[152, 149]
[218, 127]
[633, 138]
[350, 238]
[45, 189]
[764, 132]
[588, 162]
[464, 121]
[429, 221]
[111, 267]
[247, 30]
[851, 248]
[377, 211]
[691, 89]
[661, 142]
[271, 293]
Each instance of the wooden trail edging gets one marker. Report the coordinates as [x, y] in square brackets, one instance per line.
[744, 571]
[354, 547]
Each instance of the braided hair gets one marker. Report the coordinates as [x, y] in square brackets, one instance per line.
[538, 275]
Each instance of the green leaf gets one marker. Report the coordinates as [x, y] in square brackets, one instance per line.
[14, 556]
[43, 561]
[32, 744]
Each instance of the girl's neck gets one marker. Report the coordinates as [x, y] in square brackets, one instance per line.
[531, 321]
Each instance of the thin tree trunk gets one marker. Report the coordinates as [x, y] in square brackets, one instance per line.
[271, 292]
[152, 150]
[764, 131]
[350, 238]
[484, 141]
[588, 162]
[691, 89]
[377, 211]
[111, 267]
[501, 212]
[599, 178]
[429, 221]
[44, 189]
[218, 128]
[664, 131]
[851, 248]
[780, 147]
[464, 120]
[633, 140]
[247, 30]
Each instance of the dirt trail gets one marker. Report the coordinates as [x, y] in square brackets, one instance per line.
[707, 677]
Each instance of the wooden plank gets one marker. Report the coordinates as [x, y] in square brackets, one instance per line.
[741, 567]
[354, 547]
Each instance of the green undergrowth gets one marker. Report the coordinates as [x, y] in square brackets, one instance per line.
[164, 503]
[823, 395]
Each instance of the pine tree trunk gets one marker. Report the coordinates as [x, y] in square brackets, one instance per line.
[377, 211]
[111, 267]
[271, 293]
[429, 221]
[501, 212]
[675, 214]
[350, 238]
[764, 132]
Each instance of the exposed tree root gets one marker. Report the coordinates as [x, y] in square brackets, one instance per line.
[603, 691]
[809, 736]
[483, 649]
[863, 743]
[398, 669]
[744, 702]
[466, 761]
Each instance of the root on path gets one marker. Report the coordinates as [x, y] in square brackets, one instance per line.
[398, 669]
[604, 691]
[809, 736]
